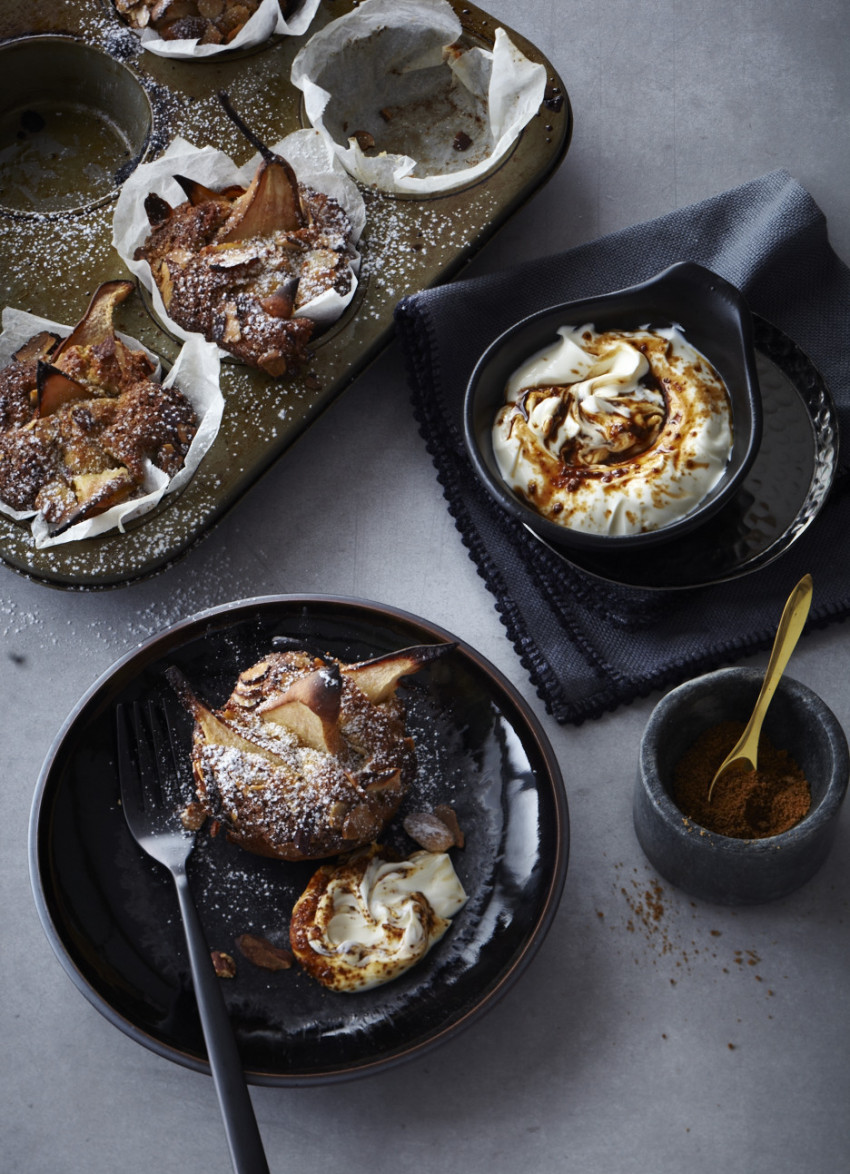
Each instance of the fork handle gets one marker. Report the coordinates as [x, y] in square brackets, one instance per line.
[240, 1124]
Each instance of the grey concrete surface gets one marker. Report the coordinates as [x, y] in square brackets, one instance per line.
[640, 1041]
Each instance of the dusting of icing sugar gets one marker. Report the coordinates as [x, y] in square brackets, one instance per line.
[406, 241]
[409, 244]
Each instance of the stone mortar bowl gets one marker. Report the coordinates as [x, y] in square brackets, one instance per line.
[721, 869]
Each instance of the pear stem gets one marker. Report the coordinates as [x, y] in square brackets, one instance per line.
[238, 121]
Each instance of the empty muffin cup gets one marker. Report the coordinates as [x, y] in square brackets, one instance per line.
[74, 122]
[409, 102]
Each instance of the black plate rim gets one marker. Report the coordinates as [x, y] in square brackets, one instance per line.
[168, 637]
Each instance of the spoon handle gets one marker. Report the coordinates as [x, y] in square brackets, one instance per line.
[794, 616]
[791, 624]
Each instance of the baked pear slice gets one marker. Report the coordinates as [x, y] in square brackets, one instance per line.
[197, 193]
[272, 201]
[298, 763]
[378, 677]
[96, 326]
[94, 493]
[54, 388]
[310, 709]
[215, 731]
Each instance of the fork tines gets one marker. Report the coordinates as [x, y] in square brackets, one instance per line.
[148, 760]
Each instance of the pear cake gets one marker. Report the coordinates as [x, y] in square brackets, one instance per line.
[210, 22]
[80, 417]
[237, 265]
[308, 757]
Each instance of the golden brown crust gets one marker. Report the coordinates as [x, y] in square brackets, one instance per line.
[302, 927]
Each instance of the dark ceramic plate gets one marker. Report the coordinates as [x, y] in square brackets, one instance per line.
[779, 498]
[715, 320]
[111, 914]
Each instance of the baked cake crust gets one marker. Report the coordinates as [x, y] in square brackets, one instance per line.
[237, 266]
[276, 795]
[81, 417]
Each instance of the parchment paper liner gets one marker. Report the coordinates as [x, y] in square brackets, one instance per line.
[394, 53]
[195, 372]
[314, 165]
[267, 21]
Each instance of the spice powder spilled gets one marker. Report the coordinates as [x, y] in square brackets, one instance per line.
[745, 804]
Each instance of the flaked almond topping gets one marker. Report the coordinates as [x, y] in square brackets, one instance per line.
[256, 672]
[429, 832]
[192, 816]
[447, 815]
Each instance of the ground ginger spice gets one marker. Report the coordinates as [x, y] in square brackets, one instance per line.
[746, 804]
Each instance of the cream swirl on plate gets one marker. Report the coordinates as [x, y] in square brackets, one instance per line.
[368, 919]
[614, 432]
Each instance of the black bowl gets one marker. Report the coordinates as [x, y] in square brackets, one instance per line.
[715, 319]
[721, 869]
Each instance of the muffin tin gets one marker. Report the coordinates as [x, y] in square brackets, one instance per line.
[116, 105]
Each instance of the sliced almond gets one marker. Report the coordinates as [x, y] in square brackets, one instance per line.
[223, 964]
[165, 283]
[257, 672]
[264, 953]
[447, 815]
[429, 832]
[376, 784]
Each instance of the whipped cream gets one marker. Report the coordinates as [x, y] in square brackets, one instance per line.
[367, 920]
[615, 432]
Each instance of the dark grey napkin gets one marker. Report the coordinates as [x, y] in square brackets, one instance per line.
[589, 646]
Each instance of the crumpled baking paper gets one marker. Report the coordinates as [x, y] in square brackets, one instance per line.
[195, 372]
[401, 57]
[314, 165]
[267, 21]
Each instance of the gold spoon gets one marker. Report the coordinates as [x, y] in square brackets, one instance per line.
[794, 616]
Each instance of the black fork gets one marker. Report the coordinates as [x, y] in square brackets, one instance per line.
[152, 795]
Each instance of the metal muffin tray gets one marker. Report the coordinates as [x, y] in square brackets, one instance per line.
[57, 242]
